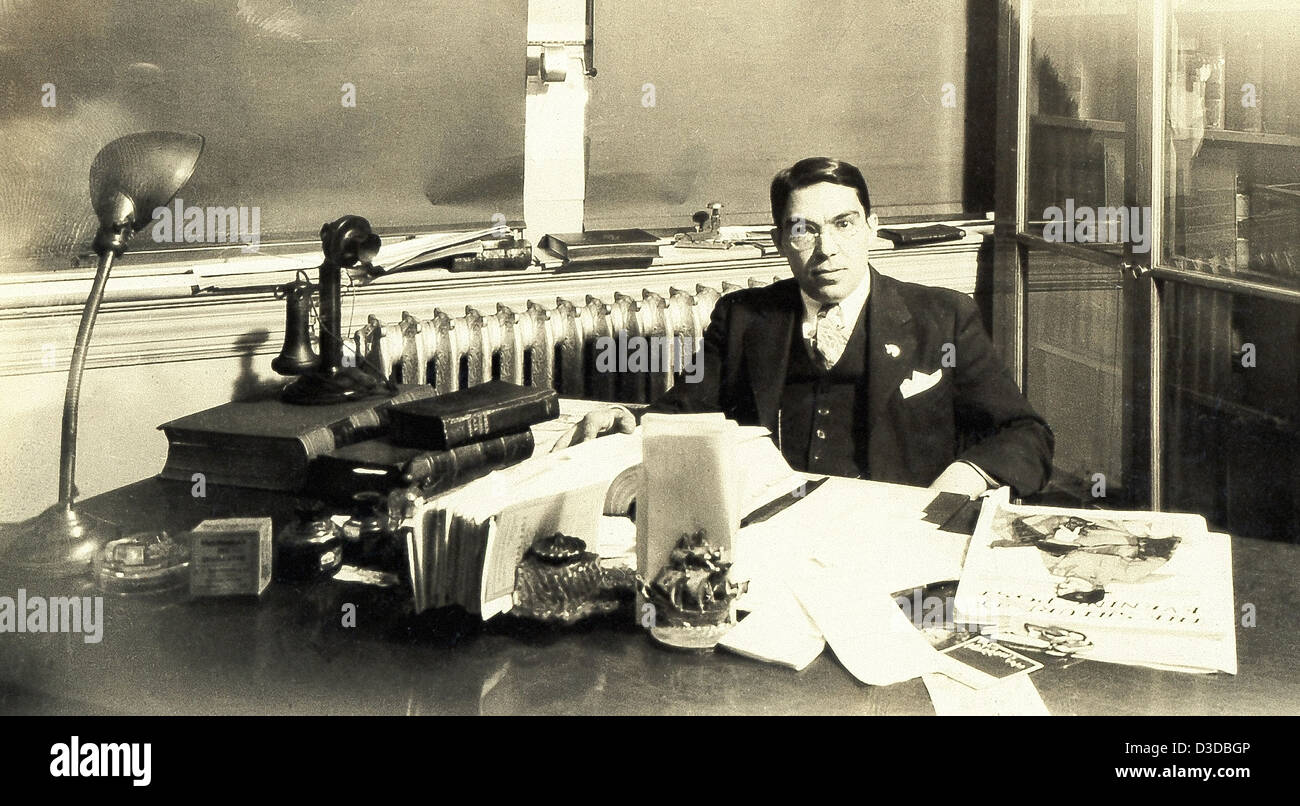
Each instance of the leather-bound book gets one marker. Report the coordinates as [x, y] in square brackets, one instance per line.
[377, 465]
[266, 443]
[612, 244]
[486, 410]
[919, 236]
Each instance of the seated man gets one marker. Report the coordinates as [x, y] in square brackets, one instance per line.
[855, 373]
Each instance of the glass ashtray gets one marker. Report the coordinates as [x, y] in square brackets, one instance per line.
[145, 562]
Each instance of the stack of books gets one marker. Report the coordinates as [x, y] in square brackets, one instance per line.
[268, 444]
[436, 443]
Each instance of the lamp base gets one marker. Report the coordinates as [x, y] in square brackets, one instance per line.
[323, 388]
[59, 542]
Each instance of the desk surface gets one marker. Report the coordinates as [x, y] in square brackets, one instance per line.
[288, 653]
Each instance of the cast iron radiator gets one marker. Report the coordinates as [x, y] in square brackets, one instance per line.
[551, 347]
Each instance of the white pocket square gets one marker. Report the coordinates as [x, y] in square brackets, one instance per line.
[919, 382]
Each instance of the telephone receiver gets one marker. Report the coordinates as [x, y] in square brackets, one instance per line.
[297, 356]
[349, 241]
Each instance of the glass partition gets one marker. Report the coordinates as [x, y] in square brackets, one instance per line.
[1074, 362]
[1230, 403]
[1232, 141]
[1081, 98]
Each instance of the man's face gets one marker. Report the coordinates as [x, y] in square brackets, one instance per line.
[826, 238]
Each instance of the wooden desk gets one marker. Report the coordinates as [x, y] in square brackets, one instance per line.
[288, 653]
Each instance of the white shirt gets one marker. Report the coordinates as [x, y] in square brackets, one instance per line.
[846, 315]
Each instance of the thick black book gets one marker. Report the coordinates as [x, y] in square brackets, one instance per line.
[918, 236]
[377, 465]
[603, 244]
[266, 443]
[457, 418]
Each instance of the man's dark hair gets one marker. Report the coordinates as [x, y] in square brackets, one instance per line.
[810, 171]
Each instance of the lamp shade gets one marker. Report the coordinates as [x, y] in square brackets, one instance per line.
[135, 174]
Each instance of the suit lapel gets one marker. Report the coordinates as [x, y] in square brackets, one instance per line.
[891, 351]
[767, 349]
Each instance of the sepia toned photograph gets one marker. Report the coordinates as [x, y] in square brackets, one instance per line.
[584, 358]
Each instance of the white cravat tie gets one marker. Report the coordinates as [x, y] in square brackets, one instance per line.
[829, 339]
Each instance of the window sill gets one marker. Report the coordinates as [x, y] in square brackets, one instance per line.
[241, 277]
[200, 273]
[154, 318]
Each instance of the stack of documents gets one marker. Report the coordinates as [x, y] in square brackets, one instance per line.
[691, 484]
[821, 573]
[875, 641]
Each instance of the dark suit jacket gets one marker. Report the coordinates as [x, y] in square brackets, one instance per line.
[974, 413]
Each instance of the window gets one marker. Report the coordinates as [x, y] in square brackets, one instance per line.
[411, 114]
[698, 103]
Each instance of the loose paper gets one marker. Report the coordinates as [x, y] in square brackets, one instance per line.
[864, 627]
[1015, 696]
[779, 632]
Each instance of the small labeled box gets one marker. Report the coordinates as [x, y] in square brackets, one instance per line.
[230, 557]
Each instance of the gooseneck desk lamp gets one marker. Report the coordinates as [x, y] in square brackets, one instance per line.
[128, 179]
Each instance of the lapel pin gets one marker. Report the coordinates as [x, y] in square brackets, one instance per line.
[893, 350]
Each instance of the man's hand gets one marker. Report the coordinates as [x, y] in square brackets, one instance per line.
[598, 423]
[961, 478]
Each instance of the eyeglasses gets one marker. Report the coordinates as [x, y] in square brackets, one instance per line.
[802, 237]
